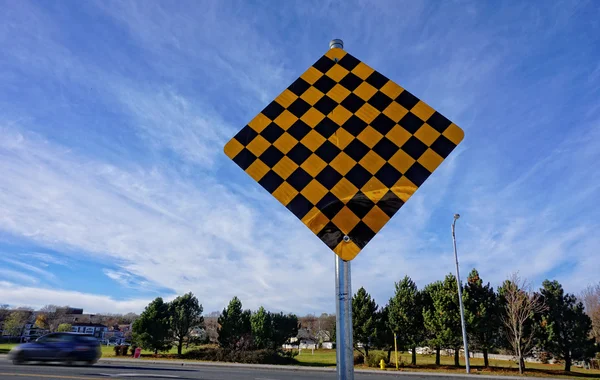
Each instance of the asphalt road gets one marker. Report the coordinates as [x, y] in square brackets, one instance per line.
[106, 369]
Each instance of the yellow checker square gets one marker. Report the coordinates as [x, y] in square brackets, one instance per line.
[362, 71]
[343, 163]
[285, 193]
[374, 190]
[372, 162]
[285, 167]
[313, 165]
[286, 98]
[311, 75]
[345, 220]
[285, 143]
[365, 91]
[338, 93]
[314, 191]
[344, 190]
[337, 73]
[376, 219]
[258, 145]
[312, 117]
[398, 135]
[233, 148]
[391, 89]
[329, 145]
[257, 170]
[426, 134]
[401, 161]
[367, 113]
[370, 137]
[259, 123]
[347, 250]
[340, 115]
[454, 134]
[430, 160]
[341, 138]
[313, 140]
[422, 110]
[404, 189]
[315, 220]
[395, 112]
[285, 120]
[312, 96]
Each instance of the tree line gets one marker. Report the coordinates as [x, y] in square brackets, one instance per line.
[513, 318]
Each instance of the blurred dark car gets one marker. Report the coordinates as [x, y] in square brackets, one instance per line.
[58, 347]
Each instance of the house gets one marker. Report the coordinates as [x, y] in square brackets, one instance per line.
[96, 329]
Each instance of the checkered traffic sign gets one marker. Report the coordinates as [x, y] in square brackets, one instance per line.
[343, 148]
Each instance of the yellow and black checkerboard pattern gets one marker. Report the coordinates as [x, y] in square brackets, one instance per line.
[343, 148]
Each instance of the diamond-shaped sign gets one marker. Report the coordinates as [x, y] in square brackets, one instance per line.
[343, 148]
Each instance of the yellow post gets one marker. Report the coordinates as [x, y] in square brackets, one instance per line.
[396, 350]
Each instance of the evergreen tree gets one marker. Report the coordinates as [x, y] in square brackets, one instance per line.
[405, 315]
[565, 328]
[152, 330]
[234, 326]
[364, 319]
[186, 315]
[283, 327]
[261, 328]
[482, 315]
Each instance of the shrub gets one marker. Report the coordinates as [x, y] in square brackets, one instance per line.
[545, 357]
[117, 350]
[359, 358]
[133, 348]
[266, 356]
[374, 359]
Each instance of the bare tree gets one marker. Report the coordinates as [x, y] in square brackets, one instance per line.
[55, 315]
[591, 301]
[521, 305]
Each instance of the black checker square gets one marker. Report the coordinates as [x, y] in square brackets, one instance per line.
[348, 62]
[351, 81]
[271, 156]
[331, 235]
[352, 103]
[361, 234]
[273, 110]
[377, 80]
[300, 206]
[299, 107]
[328, 177]
[338, 132]
[271, 181]
[246, 135]
[299, 153]
[326, 127]
[327, 151]
[417, 174]
[443, 146]
[358, 176]
[325, 105]
[299, 129]
[324, 84]
[407, 100]
[360, 204]
[324, 64]
[388, 175]
[382, 124]
[414, 147]
[356, 150]
[411, 122]
[330, 205]
[299, 87]
[380, 101]
[390, 203]
[272, 132]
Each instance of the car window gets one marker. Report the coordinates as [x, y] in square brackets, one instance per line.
[66, 338]
[50, 338]
[87, 339]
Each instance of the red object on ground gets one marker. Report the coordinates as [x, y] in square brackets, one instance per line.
[138, 352]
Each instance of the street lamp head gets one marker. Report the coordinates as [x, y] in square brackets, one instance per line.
[456, 216]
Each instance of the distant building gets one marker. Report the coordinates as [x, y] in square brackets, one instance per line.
[96, 329]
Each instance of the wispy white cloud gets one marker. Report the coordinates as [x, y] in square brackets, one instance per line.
[21, 277]
[46, 259]
[32, 269]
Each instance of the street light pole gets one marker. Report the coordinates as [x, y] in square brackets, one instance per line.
[462, 310]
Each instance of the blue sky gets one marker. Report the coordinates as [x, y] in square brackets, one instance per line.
[114, 188]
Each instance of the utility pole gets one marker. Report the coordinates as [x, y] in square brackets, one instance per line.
[462, 310]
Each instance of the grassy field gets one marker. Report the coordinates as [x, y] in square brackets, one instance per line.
[6, 347]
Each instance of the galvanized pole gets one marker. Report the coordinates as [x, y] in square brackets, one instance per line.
[462, 310]
[343, 294]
